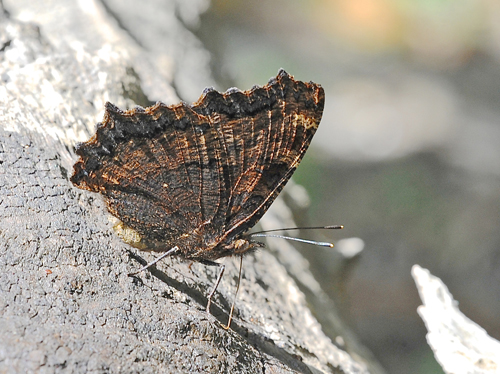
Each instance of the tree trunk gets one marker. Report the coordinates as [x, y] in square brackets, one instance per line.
[67, 303]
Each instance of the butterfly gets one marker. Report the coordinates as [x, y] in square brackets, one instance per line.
[192, 180]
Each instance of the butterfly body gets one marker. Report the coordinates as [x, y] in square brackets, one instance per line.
[198, 177]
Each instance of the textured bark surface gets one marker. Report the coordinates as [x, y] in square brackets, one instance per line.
[66, 301]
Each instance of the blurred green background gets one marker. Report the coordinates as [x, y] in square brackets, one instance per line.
[407, 156]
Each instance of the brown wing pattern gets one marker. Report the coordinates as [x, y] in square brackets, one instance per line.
[159, 174]
[203, 173]
[262, 147]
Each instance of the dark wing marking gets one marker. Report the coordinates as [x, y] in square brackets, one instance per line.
[167, 171]
[161, 178]
[263, 142]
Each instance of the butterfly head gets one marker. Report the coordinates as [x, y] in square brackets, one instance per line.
[243, 245]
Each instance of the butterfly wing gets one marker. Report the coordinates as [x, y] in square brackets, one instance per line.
[155, 170]
[205, 173]
[262, 136]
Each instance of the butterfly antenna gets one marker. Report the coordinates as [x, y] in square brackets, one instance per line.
[332, 227]
[313, 242]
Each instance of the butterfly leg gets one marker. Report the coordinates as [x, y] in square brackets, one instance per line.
[217, 282]
[235, 294]
[219, 278]
[168, 253]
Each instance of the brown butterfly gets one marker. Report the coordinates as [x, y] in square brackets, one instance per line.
[191, 180]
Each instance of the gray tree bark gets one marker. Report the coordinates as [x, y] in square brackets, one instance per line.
[67, 303]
